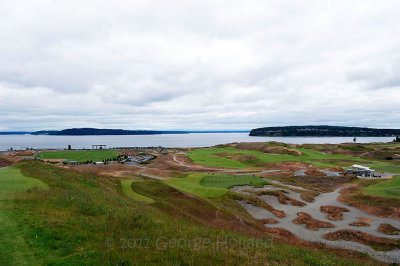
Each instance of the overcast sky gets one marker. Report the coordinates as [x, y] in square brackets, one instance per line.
[198, 64]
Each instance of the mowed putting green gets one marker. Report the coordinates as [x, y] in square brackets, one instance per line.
[212, 157]
[386, 189]
[126, 185]
[210, 186]
[80, 156]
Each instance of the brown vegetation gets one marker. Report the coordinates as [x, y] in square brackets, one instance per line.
[269, 221]
[378, 243]
[323, 183]
[388, 229]
[298, 203]
[314, 172]
[365, 219]
[360, 224]
[6, 160]
[282, 198]
[377, 206]
[180, 204]
[22, 153]
[311, 224]
[334, 213]
[249, 199]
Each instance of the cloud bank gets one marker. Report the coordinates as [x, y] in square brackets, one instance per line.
[198, 64]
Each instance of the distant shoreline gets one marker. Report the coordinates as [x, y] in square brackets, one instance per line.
[323, 131]
[136, 133]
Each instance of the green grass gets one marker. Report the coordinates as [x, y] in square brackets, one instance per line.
[388, 168]
[80, 156]
[209, 186]
[13, 248]
[69, 223]
[13, 181]
[191, 184]
[126, 185]
[386, 189]
[229, 181]
[209, 157]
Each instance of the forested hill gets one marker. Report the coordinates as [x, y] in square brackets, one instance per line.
[323, 131]
[97, 131]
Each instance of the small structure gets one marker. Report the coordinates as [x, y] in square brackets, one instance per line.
[361, 171]
[72, 162]
[99, 162]
[100, 147]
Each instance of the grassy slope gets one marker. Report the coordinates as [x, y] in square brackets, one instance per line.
[386, 189]
[13, 181]
[209, 186]
[13, 248]
[191, 184]
[229, 181]
[387, 168]
[209, 157]
[80, 156]
[126, 185]
[69, 223]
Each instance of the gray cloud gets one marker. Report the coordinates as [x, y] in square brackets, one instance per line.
[198, 65]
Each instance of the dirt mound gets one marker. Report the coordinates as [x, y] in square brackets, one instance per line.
[298, 203]
[334, 212]
[311, 224]
[360, 224]
[267, 148]
[388, 229]
[279, 214]
[336, 169]
[314, 172]
[378, 243]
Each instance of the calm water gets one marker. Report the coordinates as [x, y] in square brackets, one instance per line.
[169, 140]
